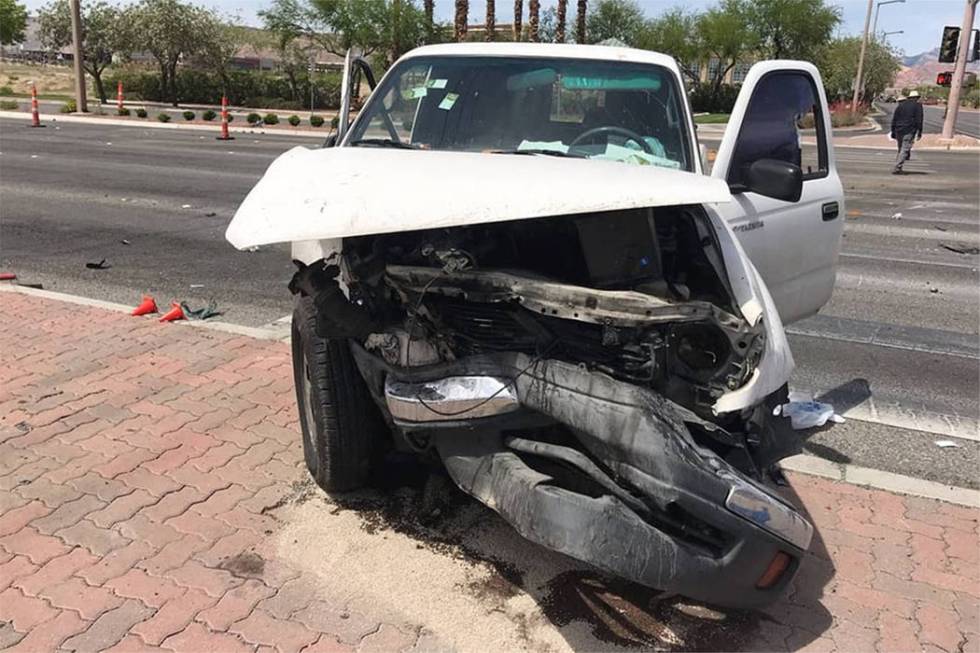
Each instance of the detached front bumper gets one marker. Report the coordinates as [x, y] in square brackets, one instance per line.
[668, 513]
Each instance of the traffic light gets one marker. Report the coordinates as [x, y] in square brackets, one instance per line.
[947, 49]
[944, 79]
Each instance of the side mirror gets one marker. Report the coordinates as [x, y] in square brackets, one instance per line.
[773, 178]
[331, 140]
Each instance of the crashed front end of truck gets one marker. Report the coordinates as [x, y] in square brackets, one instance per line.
[605, 380]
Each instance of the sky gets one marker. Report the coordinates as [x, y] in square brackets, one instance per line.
[921, 20]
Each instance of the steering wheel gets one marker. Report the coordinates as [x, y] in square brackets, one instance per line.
[622, 131]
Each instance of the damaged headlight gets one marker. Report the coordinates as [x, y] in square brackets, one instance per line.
[770, 514]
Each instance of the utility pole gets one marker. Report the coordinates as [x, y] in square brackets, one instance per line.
[76, 47]
[953, 103]
[864, 48]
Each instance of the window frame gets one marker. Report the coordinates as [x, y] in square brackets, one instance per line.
[819, 124]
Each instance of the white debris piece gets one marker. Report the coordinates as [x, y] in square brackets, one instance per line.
[945, 444]
[185, 206]
[805, 413]
[897, 216]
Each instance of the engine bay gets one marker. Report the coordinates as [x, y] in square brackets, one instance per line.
[638, 294]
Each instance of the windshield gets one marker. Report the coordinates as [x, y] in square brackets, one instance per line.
[530, 105]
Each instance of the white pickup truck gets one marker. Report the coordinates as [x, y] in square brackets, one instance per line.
[514, 260]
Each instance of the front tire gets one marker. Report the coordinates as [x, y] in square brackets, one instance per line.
[342, 428]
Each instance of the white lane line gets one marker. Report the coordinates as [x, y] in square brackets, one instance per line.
[890, 414]
[881, 480]
[911, 261]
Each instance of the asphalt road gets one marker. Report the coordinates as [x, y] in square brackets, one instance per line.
[896, 348]
[933, 117]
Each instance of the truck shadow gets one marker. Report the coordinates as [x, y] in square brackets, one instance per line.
[591, 610]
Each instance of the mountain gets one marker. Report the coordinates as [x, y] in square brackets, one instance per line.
[922, 68]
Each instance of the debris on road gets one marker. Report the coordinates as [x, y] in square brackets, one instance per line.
[897, 216]
[936, 226]
[201, 313]
[125, 242]
[805, 413]
[185, 206]
[254, 248]
[175, 313]
[7, 276]
[148, 305]
[210, 214]
[960, 248]
[101, 265]
[946, 444]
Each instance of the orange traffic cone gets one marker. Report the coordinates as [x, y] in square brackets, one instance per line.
[146, 306]
[175, 313]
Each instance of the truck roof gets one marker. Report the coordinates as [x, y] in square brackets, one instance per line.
[553, 50]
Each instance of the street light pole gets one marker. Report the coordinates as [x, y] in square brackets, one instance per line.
[874, 29]
[953, 103]
[76, 47]
[864, 48]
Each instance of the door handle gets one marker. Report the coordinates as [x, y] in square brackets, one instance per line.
[830, 210]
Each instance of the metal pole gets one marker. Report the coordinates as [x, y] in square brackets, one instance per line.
[864, 48]
[76, 47]
[874, 27]
[953, 103]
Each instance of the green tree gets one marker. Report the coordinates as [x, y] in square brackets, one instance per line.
[724, 34]
[104, 33]
[792, 29]
[615, 19]
[674, 33]
[13, 21]
[837, 61]
[582, 11]
[219, 43]
[170, 31]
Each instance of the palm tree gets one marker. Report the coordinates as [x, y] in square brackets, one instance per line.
[518, 15]
[533, 13]
[580, 21]
[462, 19]
[491, 22]
[561, 17]
[429, 6]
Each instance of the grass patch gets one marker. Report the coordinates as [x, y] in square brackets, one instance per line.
[712, 118]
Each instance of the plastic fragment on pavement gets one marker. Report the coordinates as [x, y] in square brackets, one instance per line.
[946, 444]
[805, 413]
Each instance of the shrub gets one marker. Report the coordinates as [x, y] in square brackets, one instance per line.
[6, 90]
[230, 117]
[262, 89]
[189, 115]
[335, 122]
[316, 121]
[122, 111]
[271, 119]
[163, 117]
[705, 100]
[294, 120]
[9, 105]
[209, 115]
[253, 118]
[141, 113]
[69, 107]
[13, 78]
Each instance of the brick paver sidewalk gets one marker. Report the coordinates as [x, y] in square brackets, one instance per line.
[138, 460]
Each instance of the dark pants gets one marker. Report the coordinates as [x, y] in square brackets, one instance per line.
[904, 149]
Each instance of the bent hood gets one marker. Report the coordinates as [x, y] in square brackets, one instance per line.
[355, 191]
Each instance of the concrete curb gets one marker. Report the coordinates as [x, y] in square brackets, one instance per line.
[278, 330]
[881, 480]
[803, 464]
[216, 129]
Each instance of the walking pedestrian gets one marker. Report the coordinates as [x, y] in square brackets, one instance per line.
[906, 128]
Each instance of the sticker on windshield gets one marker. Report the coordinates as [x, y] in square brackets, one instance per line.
[437, 83]
[414, 93]
[448, 101]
